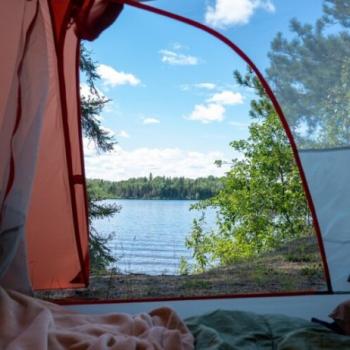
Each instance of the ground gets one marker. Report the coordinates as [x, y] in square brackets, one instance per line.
[293, 267]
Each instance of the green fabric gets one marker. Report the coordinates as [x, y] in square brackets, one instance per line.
[237, 330]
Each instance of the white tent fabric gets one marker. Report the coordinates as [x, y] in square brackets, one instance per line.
[328, 174]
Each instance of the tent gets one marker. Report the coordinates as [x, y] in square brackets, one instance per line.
[43, 210]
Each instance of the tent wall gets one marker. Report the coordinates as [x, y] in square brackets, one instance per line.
[57, 226]
[39, 108]
[57, 231]
[42, 180]
[22, 103]
[328, 174]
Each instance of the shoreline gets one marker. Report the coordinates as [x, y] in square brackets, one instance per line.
[152, 199]
[295, 267]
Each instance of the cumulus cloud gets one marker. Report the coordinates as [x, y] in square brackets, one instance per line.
[227, 98]
[111, 77]
[213, 110]
[207, 113]
[175, 58]
[151, 121]
[225, 13]
[122, 164]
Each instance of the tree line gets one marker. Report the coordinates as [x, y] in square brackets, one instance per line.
[159, 187]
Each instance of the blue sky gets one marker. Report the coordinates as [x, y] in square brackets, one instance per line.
[175, 106]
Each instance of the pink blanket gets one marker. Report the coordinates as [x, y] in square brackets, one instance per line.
[28, 323]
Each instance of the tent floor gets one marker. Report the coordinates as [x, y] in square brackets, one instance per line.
[306, 306]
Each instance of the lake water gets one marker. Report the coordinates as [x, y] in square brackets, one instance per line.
[150, 234]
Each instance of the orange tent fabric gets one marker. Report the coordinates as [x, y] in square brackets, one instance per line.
[42, 180]
[23, 99]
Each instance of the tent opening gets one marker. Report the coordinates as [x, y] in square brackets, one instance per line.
[193, 188]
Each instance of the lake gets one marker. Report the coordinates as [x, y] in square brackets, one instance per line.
[149, 235]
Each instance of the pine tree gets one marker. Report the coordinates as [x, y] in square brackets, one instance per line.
[91, 107]
[310, 73]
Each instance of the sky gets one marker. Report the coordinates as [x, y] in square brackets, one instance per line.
[175, 106]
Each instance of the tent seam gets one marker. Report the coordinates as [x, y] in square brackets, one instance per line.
[59, 44]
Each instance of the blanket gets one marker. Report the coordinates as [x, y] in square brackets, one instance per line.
[27, 323]
[237, 330]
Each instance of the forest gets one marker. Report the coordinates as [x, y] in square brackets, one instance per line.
[159, 187]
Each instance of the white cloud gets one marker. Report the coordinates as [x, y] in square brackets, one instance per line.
[213, 110]
[207, 113]
[207, 86]
[121, 164]
[204, 86]
[177, 46]
[110, 132]
[227, 98]
[151, 121]
[174, 58]
[86, 92]
[122, 133]
[119, 133]
[268, 6]
[112, 77]
[226, 13]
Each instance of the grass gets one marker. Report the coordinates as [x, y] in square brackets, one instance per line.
[293, 267]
